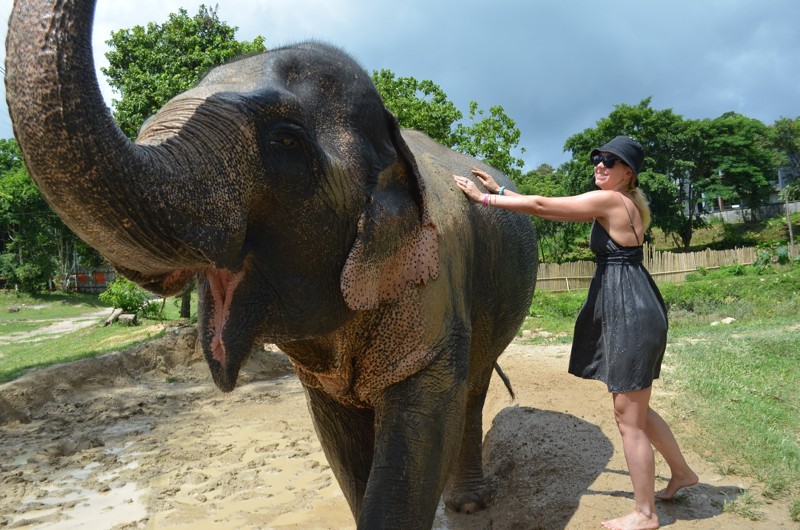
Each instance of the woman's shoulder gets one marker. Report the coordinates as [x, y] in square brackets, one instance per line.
[603, 195]
[603, 201]
[596, 196]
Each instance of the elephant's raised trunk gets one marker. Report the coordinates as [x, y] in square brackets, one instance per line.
[122, 198]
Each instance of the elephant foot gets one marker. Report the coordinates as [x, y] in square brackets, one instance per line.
[467, 502]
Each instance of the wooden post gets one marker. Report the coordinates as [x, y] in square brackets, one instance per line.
[788, 222]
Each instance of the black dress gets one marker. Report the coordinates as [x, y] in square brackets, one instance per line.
[621, 331]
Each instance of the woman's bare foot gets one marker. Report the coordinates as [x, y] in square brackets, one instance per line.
[675, 485]
[635, 520]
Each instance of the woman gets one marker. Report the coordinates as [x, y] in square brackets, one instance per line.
[621, 331]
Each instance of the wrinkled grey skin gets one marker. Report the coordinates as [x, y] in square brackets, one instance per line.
[311, 221]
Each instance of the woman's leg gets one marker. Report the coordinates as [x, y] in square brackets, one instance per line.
[631, 413]
[664, 441]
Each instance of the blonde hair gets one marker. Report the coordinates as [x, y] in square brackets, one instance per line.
[639, 199]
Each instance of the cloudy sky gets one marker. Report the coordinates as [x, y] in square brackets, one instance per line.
[556, 66]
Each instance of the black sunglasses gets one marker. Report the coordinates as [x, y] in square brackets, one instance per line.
[607, 160]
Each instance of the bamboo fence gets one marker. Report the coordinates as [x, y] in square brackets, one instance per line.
[663, 267]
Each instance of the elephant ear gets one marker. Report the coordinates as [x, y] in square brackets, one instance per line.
[397, 243]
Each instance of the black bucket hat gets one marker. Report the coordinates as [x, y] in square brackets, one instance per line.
[627, 149]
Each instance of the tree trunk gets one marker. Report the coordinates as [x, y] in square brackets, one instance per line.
[114, 316]
[186, 301]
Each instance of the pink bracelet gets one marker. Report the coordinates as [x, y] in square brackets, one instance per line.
[485, 199]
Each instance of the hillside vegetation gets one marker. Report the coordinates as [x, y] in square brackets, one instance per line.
[718, 235]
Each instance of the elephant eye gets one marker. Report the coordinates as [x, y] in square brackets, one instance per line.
[285, 136]
[286, 142]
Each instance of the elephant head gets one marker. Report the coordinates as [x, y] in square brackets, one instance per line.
[280, 181]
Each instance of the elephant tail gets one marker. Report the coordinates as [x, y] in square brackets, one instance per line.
[505, 379]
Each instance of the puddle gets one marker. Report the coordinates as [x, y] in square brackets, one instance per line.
[75, 499]
[73, 507]
[100, 490]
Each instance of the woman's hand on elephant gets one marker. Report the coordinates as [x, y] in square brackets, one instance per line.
[468, 187]
[486, 179]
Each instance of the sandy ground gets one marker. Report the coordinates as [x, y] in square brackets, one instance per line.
[143, 439]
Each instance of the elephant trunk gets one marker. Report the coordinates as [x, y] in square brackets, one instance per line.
[122, 198]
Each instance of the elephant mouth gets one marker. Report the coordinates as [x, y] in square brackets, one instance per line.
[224, 347]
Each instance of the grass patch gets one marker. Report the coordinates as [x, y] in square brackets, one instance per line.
[745, 506]
[742, 387]
[747, 297]
[555, 313]
[15, 307]
[20, 357]
[8, 327]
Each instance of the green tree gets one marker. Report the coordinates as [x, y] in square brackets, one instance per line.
[423, 105]
[27, 226]
[557, 240]
[669, 175]
[150, 65]
[491, 138]
[746, 159]
[10, 156]
[694, 166]
[787, 143]
[36, 247]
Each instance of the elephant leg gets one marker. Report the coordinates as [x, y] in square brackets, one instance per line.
[466, 490]
[418, 428]
[347, 435]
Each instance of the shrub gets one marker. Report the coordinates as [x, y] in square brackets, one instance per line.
[768, 254]
[698, 274]
[126, 295]
[557, 305]
[153, 309]
[737, 269]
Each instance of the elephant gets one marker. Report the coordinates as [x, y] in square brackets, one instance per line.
[310, 219]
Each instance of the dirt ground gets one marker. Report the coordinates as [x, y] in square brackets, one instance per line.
[143, 439]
